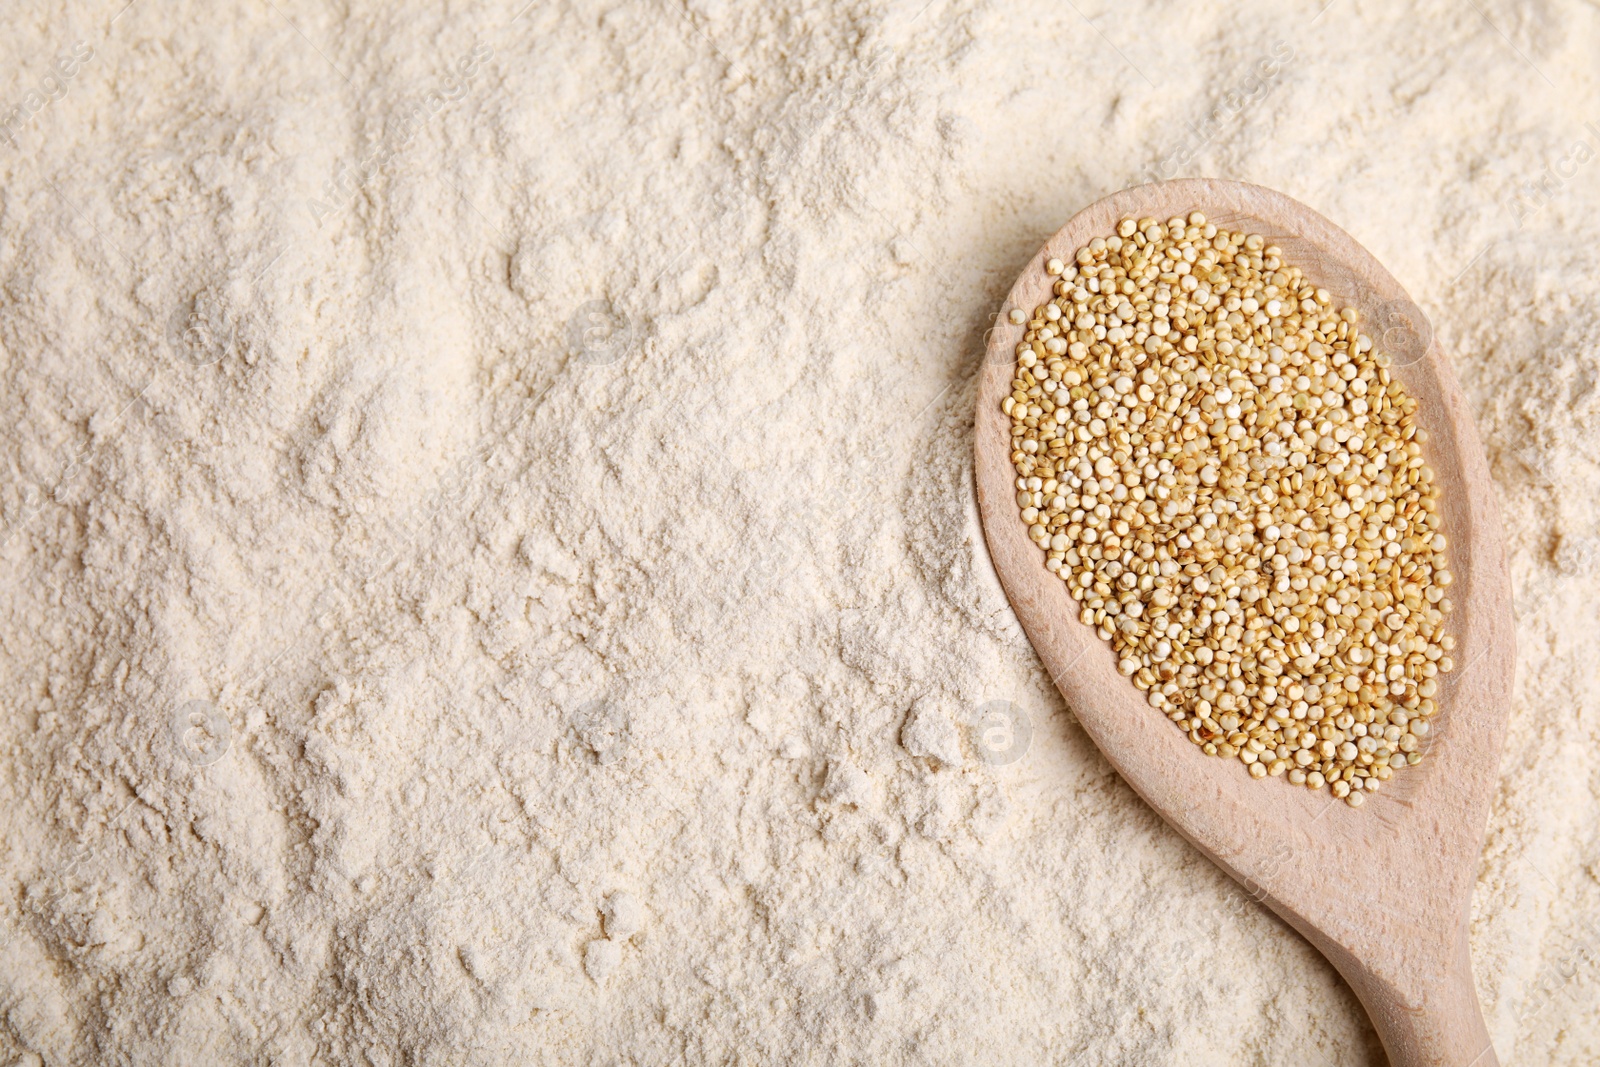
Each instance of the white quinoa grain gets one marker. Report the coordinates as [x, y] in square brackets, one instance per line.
[1227, 477]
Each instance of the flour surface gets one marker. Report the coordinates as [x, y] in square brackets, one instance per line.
[489, 570]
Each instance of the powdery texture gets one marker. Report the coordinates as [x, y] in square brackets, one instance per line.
[562, 494]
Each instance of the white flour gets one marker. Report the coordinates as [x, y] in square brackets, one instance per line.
[475, 541]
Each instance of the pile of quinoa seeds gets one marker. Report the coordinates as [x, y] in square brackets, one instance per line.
[1232, 485]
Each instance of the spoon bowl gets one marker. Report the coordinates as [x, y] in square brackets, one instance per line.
[1383, 891]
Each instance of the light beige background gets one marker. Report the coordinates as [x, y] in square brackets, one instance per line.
[578, 502]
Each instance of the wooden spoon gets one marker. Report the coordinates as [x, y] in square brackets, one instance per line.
[1382, 891]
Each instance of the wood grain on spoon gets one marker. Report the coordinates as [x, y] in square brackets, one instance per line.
[1383, 891]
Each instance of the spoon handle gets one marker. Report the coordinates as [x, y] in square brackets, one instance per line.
[1428, 1017]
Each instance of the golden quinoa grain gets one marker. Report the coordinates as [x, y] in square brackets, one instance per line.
[1222, 470]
